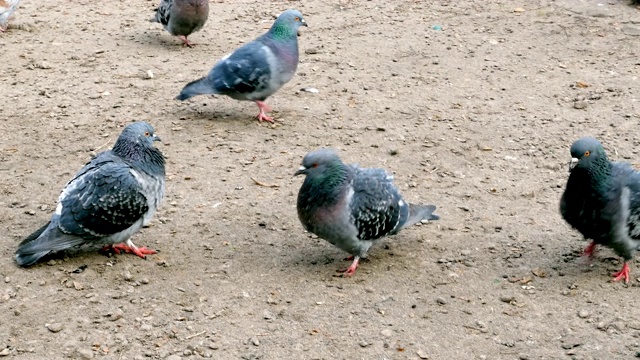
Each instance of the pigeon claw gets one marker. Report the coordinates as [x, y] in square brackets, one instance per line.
[622, 274]
[185, 41]
[264, 108]
[129, 247]
[352, 269]
[590, 250]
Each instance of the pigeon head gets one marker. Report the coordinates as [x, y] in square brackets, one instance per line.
[287, 24]
[318, 162]
[586, 152]
[139, 132]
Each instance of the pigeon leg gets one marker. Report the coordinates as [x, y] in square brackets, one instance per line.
[185, 41]
[622, 274]
[262, 116]
[129, 247]
[349, 258]
[352, 269]
[590, 250]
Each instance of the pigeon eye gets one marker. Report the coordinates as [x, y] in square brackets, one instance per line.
[587, 153]
[297, 18]
[146, 133]
[315, 165]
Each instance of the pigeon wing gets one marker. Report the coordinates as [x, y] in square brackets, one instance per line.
[376, 203]
[103, 199]
[245, 71]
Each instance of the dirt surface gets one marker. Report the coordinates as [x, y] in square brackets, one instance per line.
[475, 115]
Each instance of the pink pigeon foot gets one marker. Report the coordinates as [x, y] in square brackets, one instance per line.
[129, 247]
[264, 108]
[622, 274]
[351, 269]
[185, 41]
[590, 250]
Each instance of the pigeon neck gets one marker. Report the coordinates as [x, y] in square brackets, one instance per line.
[599, 171]
[282, 32]
[145, 157]
[325, 188]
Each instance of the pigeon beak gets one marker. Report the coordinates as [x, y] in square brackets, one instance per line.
[304, 23]
[302, 170]
[156, 138]
[573, 163]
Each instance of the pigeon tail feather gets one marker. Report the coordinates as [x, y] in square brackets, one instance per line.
[197, 87]
[418, 213]
[24, 257]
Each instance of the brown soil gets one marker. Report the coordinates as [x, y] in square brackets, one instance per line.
[476, 118]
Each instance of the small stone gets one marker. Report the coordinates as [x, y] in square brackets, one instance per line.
[267, 315]
[146, 327]
[144, 280]
[255, 342]
[465, 252]
[173, 357]
[580, 105]
[85, 353]
[55, 327]
[5, 352]
[422, 354]
[386, 333]
[507, 298]
[149, 75]
[363, 343]
[127, 275]
[441, 300]
[583, 314]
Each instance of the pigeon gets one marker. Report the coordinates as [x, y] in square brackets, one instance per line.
[602, 201]
[181, 18]
[257, 69]
[7, 8]
[111, 198]
[352, 207]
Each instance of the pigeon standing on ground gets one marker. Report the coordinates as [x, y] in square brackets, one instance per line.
[602, 201]
[352, 207]
[7, 8]
[257, 69]
[181, 18]
[108, 201]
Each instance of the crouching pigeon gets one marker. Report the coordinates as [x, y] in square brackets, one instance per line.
[181, 18]
[602, 201]
[352, 207]
[256, 70]
[108, 201]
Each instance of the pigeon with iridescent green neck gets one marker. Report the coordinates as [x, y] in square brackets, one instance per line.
[352, 207]
[256, 70]
[602, 201]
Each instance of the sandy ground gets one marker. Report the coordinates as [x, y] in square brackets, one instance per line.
[476, 116]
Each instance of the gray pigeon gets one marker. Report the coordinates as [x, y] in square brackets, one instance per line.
[108, 201]
[602, 201]
[181, 18]
[257, 69]
[7, 8]
[352, 207]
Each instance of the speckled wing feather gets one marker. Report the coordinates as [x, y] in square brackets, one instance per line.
[244, 71]
[163, 12]
[376, 204]
[104, 198]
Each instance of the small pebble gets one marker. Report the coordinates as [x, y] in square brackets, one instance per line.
[85, 353]
[173, 357]
[363, 343]
[441, 300]
[55, 327]
[583, 314]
